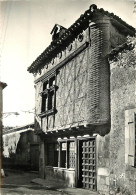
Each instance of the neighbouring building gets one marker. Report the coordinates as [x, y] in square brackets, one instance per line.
[74, 101]
[123, 118]
[2, 86]
[21, 148]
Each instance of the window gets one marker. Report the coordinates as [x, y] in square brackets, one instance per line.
[67, 154]
[63, 155]
[48, 97]
[130, 137]
[44, 97]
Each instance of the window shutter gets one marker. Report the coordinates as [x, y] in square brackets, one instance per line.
[131, 155]
[130, 137]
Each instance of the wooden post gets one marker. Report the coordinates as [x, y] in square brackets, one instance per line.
[60, 148]
[67, 154]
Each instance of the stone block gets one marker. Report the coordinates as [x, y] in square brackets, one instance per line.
[103, 171]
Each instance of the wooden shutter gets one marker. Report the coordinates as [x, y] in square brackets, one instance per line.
[131, 155]
[130, 137]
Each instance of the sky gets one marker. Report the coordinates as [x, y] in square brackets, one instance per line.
[25, 27]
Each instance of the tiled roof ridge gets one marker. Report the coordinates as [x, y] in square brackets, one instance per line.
[70, 31]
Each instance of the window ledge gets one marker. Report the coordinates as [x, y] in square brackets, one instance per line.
[47, 113]
[61, 168]
[71, 169]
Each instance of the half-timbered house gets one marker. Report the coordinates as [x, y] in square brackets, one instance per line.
[72, 99]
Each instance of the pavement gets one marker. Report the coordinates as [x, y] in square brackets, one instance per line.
[20, 182]
[59, 186]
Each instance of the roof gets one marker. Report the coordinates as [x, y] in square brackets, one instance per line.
[76, 28]
[16, 129]
[114, 52]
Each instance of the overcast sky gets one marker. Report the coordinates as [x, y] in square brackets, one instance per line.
[25, 33]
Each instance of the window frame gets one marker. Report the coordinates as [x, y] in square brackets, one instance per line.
[67, 160]
[130, 137]
[48, 94]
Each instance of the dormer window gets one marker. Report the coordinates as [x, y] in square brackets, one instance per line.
[57, 31]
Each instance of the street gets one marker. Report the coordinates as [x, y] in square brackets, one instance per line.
[28, 191]
[29, 183]
[19, 183]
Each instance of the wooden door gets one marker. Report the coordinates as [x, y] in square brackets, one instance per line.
[89, 164]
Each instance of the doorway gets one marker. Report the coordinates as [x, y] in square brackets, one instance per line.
[87, 164]
[34, 157]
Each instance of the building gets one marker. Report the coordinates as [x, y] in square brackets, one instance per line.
[21, 148]
[72, 98]
[2, 86]
[123, 118]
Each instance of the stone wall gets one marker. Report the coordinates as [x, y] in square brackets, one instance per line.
[122, 85]
[103, 164]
